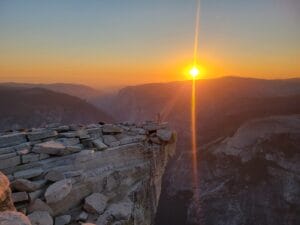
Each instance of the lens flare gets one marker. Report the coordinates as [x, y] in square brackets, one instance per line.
[194, 72]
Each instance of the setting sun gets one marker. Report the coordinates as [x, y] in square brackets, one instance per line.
[194, 72]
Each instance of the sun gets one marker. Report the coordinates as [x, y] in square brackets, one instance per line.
[194, 72]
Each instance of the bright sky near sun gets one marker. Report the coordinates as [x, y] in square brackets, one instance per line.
[106, 43]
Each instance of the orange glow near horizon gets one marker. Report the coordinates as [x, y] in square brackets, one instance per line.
[118, 44]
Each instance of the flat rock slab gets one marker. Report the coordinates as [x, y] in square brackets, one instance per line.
[7, 150]
[27, 174]
[7, 155]
[58, 191]
[111, 129]
[41, 134]
[10, 162]
[31, 157]
[40, 218]
[50, 147]
[95, 203]
[68, 141]
[12, 139]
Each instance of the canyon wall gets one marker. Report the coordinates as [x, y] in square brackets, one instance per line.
[251, 177]
[99, 174]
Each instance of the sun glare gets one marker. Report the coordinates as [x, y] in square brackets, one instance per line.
[194, 72]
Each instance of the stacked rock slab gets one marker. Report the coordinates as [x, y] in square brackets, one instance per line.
[98, 174]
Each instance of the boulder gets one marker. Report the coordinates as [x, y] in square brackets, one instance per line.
[54, 175]
[94, 132]
[82, 217]
[73, 149]
[58, 191]
[40, 218]
[95, 203]
[24, 185]
[63, 220]
[121, 210]
[98, 143]
[164, 134]
[13, 218]
[109, 139]
[39, 205]
[105, 219]
[20, 197]
[36, 194]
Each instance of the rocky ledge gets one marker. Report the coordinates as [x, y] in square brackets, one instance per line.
[99, 174]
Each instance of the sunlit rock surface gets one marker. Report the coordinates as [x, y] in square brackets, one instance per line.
[99, 174]
[6, 202]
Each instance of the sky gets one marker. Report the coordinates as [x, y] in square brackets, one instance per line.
[110, 43]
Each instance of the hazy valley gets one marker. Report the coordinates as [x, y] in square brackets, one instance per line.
[258, 117]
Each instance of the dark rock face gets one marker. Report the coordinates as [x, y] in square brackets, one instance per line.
[252, 177]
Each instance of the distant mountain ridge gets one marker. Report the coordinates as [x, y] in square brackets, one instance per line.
[35, 107]
[81, 91]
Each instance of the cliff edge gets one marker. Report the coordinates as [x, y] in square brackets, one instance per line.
[99, 174]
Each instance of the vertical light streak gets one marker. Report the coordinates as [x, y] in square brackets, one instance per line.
[197, 29]
[194, 105]
[194, 134]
